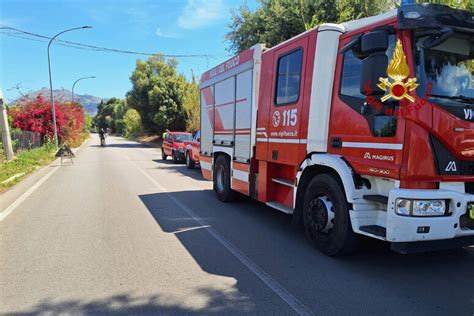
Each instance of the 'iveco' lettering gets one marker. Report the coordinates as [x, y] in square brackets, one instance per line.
[468, 114]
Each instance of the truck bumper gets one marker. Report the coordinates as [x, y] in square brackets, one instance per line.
[432, 245]
[412, 229]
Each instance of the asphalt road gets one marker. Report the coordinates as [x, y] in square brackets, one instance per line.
[122, 232]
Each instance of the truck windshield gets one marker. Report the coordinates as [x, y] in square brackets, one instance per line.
[450, 68]
[179, 138]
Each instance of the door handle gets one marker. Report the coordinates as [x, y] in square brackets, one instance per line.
[336, 143]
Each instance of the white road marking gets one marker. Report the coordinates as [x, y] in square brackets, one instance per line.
[184, 230]
[25, 195]
[279, 290]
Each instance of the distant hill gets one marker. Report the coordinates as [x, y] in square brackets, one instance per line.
[89, 102]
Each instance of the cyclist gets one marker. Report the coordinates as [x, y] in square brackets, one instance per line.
[102, 136]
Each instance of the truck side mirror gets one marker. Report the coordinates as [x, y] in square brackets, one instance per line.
[374, 46]
[374, 42]
[374, 66]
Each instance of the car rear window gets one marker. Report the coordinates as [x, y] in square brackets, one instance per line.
[179, 138]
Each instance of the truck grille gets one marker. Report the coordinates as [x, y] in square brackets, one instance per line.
[469, 187]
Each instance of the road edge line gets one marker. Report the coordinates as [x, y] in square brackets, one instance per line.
[4, 213]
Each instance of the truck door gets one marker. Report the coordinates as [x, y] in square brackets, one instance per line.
[285, 111]
[369, 134]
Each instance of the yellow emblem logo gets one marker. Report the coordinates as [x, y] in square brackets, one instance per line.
[398, 71]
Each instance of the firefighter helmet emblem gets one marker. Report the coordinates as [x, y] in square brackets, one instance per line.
[398, 71]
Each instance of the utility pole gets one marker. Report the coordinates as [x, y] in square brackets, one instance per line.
[51, 80]
[5, 131]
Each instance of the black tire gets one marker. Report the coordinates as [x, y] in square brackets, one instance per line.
[174, 156]
[330, 232]
[222, 180]
[189, 161]
[163, 156]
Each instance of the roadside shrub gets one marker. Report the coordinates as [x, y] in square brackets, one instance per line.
[133, 123]
[36, 115]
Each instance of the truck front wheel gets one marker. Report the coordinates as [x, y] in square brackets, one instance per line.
[326, 216]
[222, 180]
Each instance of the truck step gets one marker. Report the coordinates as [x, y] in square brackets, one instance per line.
[376, 198]
[285, 182]
[281, 207]
[374, 230]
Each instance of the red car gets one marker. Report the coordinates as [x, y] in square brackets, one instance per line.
[173, 145]
[192, 150]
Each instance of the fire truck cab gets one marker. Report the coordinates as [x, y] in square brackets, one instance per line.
[359, 128]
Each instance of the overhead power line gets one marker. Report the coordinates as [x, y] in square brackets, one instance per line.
[14, 32]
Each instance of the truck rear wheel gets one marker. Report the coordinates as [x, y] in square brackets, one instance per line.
[326, 216]
[222, 180]
[189, 161]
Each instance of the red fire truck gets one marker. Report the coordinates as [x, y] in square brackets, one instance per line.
[359, 128]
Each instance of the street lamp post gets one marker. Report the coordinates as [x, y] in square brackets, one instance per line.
[72, 90]
[51, 80]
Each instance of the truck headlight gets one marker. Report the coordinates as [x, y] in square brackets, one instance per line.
[429, 208]
[403, 207]
[407, 207]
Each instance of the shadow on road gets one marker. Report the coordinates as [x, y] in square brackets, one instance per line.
[181, 168]
[433, 282]
[129, 304]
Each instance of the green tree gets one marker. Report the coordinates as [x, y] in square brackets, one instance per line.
[132, 123]
[191, 105]
[110, 115]
[99, 119]
[88, 122]
[278, 20]
[356, 9]
[157, 94]
[120, 108]
[458, 4]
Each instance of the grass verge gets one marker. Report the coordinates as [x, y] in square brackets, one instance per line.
[24, 163]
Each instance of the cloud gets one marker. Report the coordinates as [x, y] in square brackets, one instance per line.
[200, 13]
[164, 34]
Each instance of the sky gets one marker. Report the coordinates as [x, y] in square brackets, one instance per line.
[154, 26]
